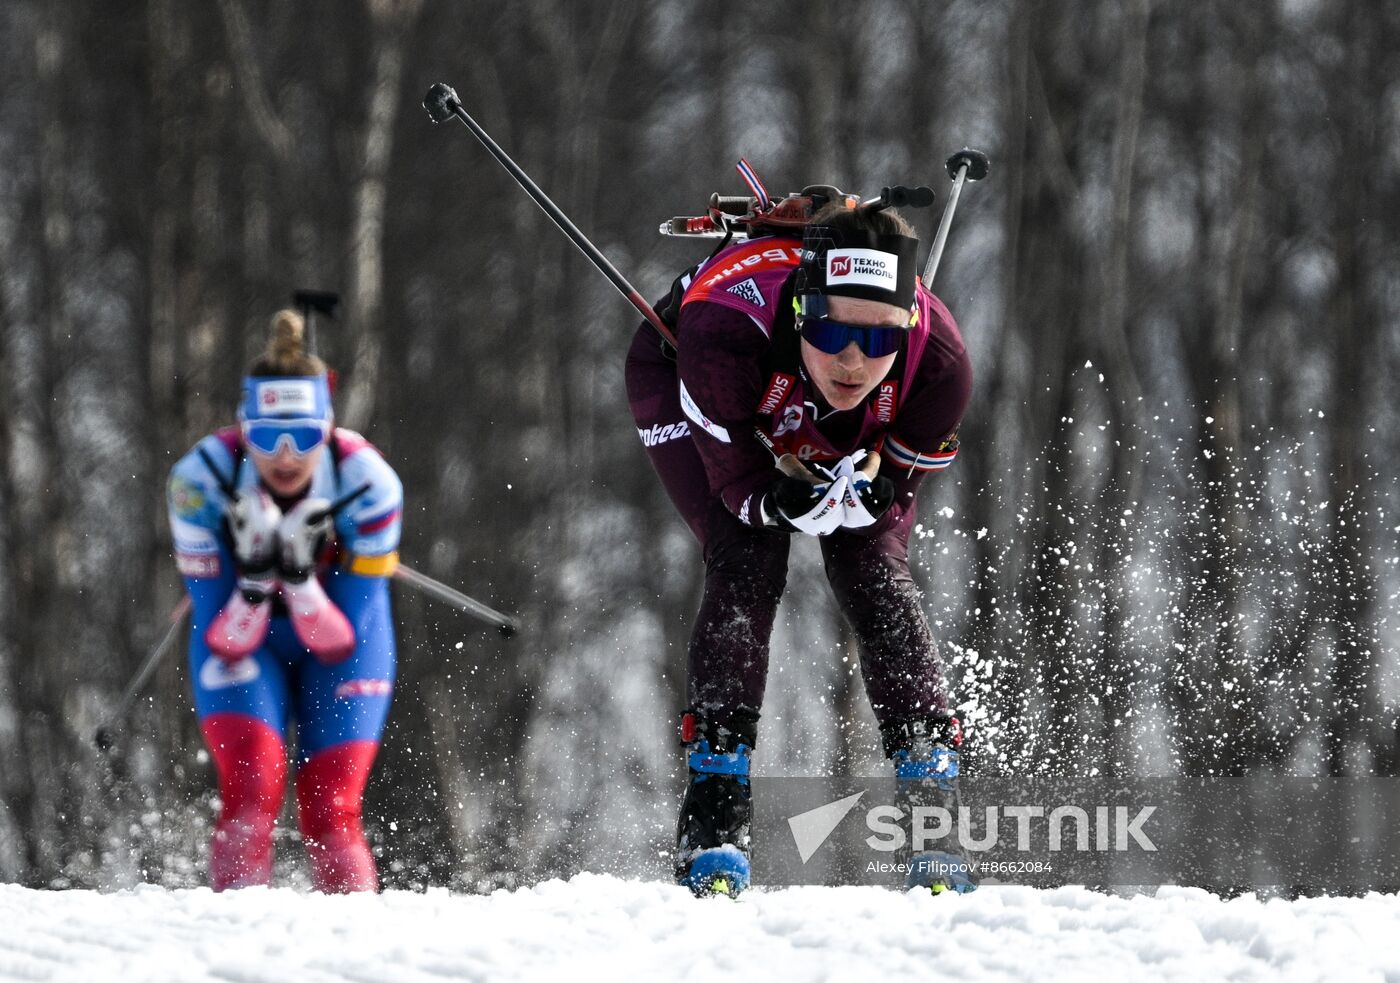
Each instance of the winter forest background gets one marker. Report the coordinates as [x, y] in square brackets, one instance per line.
[1171, 541]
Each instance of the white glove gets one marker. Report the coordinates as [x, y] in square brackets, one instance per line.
[869, 495]
[252, 522]
[814, 509]
[857, 515]
[301, 536]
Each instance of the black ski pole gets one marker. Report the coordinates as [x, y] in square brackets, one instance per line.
[965, 165]
[102, 737]
[503, 623]
[442, 104]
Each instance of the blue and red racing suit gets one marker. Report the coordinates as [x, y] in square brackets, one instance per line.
[245, 707]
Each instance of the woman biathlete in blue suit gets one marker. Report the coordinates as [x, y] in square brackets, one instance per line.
[291, 614]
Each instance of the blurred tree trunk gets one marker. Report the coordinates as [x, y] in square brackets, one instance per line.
[14, 784]
[1122, 478]
[1219, 695]
[1048, 308]
[47, 589]
[393, 22]
[1354, 734]
[999, 579]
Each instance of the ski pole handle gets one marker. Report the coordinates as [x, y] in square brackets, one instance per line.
[442, 104]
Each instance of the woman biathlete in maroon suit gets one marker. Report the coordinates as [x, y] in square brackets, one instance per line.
[825, 348]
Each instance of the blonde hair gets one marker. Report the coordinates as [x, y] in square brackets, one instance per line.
[286, 352]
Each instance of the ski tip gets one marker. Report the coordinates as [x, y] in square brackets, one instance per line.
[717, 872]
[940, 873]
[941, 888]
[718, 886]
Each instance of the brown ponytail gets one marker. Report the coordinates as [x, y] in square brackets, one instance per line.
[286, 349]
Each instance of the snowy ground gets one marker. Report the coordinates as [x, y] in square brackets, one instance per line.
[597, 927]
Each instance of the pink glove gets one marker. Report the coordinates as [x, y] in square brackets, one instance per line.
[320, 625]
[238, 630]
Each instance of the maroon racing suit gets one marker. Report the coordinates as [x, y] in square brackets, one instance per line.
[738, 370]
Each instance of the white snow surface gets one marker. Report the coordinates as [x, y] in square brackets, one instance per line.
[600, 927]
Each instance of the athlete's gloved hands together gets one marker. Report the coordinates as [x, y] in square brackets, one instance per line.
[273, 551]
[867, 497]
[267, 543]
[819, 499]
[814, 508]
[301, 535]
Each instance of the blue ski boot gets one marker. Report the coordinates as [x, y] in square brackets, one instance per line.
[712, 836]
[925, 755]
